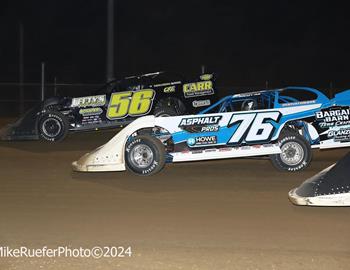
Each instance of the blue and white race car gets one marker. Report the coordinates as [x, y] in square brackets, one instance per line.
[281, 123]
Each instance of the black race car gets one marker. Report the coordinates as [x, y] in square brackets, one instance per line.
[115, 105]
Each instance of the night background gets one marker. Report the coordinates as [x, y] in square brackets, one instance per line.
[245, 42]
[218, 213]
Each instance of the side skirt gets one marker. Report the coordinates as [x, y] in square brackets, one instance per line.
[228, 152]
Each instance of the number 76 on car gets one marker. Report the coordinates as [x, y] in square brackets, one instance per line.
[283, 124]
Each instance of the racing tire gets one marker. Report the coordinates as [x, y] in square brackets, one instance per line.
[296, 152]
[144, 155]
[165, 112]
[53, 126]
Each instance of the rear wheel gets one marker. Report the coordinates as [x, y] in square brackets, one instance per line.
[53, 126]
[165, 112]
[145, 155]
[169, 107]
[295, 153]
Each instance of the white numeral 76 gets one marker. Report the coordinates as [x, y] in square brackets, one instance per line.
[253, 127]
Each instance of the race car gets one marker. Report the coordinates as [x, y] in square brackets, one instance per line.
[331, 187]
[283, 124]
[116, 104]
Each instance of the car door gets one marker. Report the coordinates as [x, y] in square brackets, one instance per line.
[226, 128]
[89, 111]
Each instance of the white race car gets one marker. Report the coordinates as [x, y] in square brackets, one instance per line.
[283, 124]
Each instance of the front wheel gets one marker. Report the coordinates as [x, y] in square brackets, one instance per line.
[145, 155]
[53, 126]
[295, 153]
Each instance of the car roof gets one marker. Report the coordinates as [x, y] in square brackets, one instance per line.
[254, 93]
[320, 96]
[270, 91]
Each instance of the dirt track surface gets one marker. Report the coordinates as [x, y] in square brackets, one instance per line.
[228, 214]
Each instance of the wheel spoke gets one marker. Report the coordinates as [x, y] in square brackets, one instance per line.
[51, 127]
[141, 156]
[292, 153]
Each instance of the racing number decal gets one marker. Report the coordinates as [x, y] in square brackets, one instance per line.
[119, 105]
[253, 127]
[132, 103]
[243, 121]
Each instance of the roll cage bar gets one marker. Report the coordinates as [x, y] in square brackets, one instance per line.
[269, 98]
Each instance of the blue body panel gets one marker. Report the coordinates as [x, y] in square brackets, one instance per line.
[284, 109]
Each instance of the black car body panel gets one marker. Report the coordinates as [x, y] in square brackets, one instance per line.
[120, 102]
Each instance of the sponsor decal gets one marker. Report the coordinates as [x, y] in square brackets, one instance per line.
[210, 150]
[200, 124]
[201, 103]
[202, 88]
[336, 116]
[191, 142]
[299, 103]
[225, 149]
[93, 119]
[206, 77]
[210, 128]
[166, 84]
[92, 101]
[341, 135]
[249, 94]
[169, 89]
[90, 111]
[201, 120]
[268, 145]
[202, 140]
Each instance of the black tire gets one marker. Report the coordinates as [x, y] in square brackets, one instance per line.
[53, 126]
[296, 152]
[153, 155]
[165, 112]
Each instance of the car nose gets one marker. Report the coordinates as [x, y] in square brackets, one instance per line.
[4, 133]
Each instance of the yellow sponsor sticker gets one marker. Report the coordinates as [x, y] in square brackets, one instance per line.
[169, 89]
[206, 77]
[202, 88]
[90, 111]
